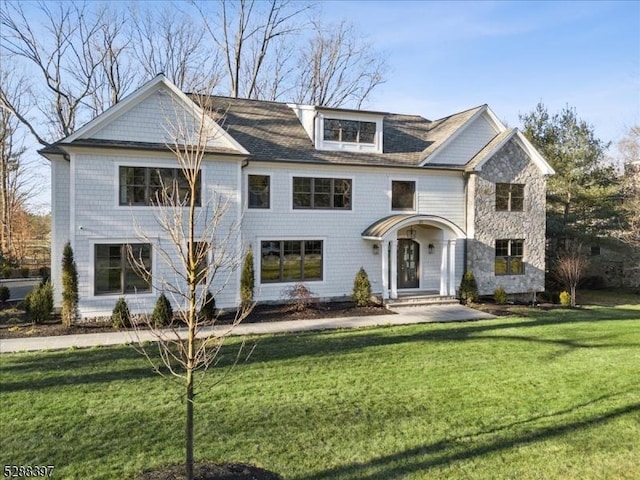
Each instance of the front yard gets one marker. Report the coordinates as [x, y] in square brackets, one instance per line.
[555, 394]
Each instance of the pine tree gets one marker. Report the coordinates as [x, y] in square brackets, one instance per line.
[361, 289]
[69, 286]
[247, 280]
[468, 288]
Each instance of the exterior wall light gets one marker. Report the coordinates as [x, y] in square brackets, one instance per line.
[431, 248]
[376, 249]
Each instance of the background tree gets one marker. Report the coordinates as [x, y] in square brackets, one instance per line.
[570, 267]
[69, 287]
[629, 150]
[583, 195]
[202, 256]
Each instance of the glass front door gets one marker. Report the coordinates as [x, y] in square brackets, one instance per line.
[408, 263]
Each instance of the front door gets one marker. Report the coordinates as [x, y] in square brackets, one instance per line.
[408, 263]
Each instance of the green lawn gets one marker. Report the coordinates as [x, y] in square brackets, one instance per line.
[552, 395]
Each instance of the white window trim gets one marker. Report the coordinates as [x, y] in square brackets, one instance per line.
[245, 190]
[415, 195]
[322, 144]
[295, 238]
[321, 210]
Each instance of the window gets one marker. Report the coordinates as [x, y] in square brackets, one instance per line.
[509, 197]
[321, 193]
[351, 131]
[201, 253]
[259, 186]
[149, 185]
[116, 271]
[509, 255]
[403, 195]
[290, 261]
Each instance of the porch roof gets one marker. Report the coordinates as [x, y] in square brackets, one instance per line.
[379, 229]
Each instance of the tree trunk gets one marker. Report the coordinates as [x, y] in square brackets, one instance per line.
[573, 295]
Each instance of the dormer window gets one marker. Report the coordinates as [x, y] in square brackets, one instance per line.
[351, 131]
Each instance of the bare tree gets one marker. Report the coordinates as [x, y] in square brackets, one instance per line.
[246, 34]
[336, 68]
[629, 149]
[61, 54]
[570, 267]
[17, 184]
[201, 256]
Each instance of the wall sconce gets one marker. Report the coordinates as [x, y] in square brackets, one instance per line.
[376, 249]
[411, 233]
[431, 248]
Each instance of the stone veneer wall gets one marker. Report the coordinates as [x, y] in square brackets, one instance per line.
[509, 165]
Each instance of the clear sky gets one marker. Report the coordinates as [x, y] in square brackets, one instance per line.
[446, 57]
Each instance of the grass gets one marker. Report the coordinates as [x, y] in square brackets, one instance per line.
[552, 395]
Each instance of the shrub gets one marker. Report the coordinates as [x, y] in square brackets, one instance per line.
[298, 296]
[45, 273]
[361, 293]
[6, 271]
[247, 280]
[39, 303]
[468, 288]
[208, 311]
[120, 317]
[69, 287]
[162, 313]
[565, 299]
[500, 296]
[5, 293]
[24, 272]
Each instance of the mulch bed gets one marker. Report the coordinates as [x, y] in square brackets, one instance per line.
[211, 471]
[261, 313]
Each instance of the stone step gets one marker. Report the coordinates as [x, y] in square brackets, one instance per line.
[418, 300]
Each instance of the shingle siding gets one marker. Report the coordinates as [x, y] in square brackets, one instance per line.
[463, 147]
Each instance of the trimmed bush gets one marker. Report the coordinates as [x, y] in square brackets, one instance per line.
[208, 311]
[565, 299]
[468, 288]
[5, 293]
[24, 272]
[500, 296]
[39, 303]
[361, 293]
[6, 271]
[45, 273]
[247, 280]
[69, 311]
[162, 313]
[120, 317]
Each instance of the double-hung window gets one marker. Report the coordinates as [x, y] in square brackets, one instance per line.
[509, 257]
[321, 193]
[259, 189]
[155, 186]
[122, 268]
[509, 197]
[403, 195]
[290, 261]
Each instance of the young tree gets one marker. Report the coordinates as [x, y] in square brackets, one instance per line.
[69, 287]
[570, 267]
[202, 255]
[247, 280]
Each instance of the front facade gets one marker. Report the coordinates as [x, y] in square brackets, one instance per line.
[316, 193]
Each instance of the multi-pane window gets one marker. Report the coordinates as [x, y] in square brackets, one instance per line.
[509, 197]
[122, 268]
[290, 261]
[155, 186]
[258, 187]
[403, 195]
[509, 257]
[352, 131]
[322, 193]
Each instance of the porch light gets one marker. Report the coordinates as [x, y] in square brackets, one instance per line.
[431, 248]
[376, 249]
[411, 233]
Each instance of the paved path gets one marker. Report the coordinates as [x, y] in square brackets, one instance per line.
[402, 316]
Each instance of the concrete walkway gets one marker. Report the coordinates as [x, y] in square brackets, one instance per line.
[402, 316]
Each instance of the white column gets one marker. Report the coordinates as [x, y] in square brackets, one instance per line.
[444, 271]
[452, 267]
[384, 247]
[394, 268]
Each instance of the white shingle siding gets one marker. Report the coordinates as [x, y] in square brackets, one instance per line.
[60, 176]
[100, 219]
[463, 147]
[344, 250]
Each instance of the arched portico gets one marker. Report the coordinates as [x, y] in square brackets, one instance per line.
[417, 253]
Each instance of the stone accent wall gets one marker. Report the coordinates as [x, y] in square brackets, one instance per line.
[509, 165]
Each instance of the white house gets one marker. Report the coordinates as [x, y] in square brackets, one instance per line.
[318, 193]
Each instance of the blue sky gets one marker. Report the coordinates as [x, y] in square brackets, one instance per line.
[449, 56]
[446, 57]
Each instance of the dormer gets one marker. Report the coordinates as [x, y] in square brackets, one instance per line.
[337, 129]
